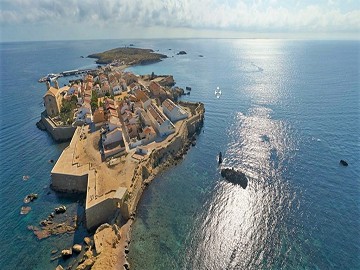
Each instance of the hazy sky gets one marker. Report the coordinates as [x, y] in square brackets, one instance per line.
[93, 19]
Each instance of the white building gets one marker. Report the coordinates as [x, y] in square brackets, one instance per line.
[159, 121]
[113, 123]
[83, 115]
[173, 111]
[148, 135]
[113, 143]
[116, 89]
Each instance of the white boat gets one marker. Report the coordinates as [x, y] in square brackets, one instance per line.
[218, 92]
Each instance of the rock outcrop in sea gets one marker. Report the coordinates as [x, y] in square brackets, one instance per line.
[235, 177]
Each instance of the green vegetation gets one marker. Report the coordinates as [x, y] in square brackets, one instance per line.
[94, 101]
[130, 56]
[67, 110]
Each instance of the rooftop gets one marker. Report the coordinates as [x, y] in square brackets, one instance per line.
[168, 104]
[155, 112]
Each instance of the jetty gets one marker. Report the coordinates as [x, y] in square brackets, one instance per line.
[73, 72]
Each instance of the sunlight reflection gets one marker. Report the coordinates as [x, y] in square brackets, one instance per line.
[245, 225]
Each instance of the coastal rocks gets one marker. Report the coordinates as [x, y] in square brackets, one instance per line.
[25, 210]
[77, 248]
[61, 209]
[343, 163]
[45, 222]
[176, 92]
[50, 227]
[167, 81]
[30, 197]
[220, 158]
[88, 254]
[235, 177]
[66, 253]
[87, 264]
[106, 236]
[59, 267]
[88, 241]
[181, 53]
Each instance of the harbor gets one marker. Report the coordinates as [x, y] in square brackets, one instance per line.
[74, 72]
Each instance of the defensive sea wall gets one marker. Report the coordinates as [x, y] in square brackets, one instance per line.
[163, 156]
[69, 176]
[59, 133]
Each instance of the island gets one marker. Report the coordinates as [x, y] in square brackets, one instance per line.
[128, 56]
[124, 129]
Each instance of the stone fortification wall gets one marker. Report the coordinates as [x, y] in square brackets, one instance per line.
[59, 134]
[101, 212]
[69, 183]
[161, 157]
[196, 121]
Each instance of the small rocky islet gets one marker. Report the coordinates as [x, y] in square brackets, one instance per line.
[235, 176]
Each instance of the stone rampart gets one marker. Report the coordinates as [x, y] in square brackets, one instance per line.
[101, 212]
[175, 148]
[69, 183]
[59, 133]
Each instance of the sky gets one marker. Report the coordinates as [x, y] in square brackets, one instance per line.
[29, 20]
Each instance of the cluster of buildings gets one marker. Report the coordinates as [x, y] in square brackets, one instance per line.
[129, 120]
[137, 121]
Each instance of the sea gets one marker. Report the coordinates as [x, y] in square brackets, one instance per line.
[288, 112]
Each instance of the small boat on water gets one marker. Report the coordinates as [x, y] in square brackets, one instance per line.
[218, 92]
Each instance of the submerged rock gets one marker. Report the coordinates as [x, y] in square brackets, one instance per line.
[25, 210]
[66, 252]
[344, 163]
[77, 248]
[181, 53]
[30, 197]
[60, 209]
[235, 177]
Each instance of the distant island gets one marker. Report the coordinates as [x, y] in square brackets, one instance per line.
[128, 56]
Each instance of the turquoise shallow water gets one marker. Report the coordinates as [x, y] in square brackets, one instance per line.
[288, 113]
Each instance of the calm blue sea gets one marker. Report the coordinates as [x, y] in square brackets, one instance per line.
[289, 111]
